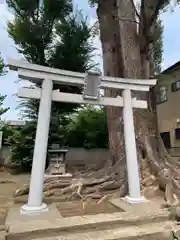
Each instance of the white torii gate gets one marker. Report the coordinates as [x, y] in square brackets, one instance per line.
[92, 84]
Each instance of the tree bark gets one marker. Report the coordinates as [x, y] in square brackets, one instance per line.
[113, 66]
[129, 40]
[129, 64]
[136, 65]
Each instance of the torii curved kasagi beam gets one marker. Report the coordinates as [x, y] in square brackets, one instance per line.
[47, 77]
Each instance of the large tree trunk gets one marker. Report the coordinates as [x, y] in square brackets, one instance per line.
[135, 67]
[121, 58]
[113, 66]
[129, 39]
[134, 63]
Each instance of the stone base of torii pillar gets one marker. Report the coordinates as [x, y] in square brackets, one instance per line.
[33, 210]
[131, 200]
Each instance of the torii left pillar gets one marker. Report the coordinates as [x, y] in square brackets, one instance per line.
[35, 201]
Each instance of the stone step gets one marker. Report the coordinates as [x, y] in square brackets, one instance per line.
[2, 235]
[153, 231]
[84, 224]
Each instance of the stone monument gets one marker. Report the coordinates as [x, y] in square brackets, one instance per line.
[57, 165]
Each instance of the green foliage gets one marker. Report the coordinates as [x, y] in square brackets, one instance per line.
[74, 36]
[93, 3]
[2, 109]
[21, 142]
[41, 34]
[33, 27]
[2, 66]
[50, 35]
[29, 109]
[2, 97]
[157, 48]
[88, 129]
[7, 131]
[157, 42]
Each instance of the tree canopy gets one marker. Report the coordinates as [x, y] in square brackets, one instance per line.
[89, 126]
[1, 65]
[2, 109]
[53, 35]
[56, 36]
[2, 97]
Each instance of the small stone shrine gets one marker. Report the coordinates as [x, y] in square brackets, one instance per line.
[57, 164]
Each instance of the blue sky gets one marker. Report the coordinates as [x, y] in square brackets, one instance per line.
[9, 84]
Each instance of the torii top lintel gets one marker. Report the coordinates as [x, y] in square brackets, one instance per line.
[37, 73]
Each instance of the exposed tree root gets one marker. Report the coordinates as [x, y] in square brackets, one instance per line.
[158, 173]
[7, 181]
[23, 190]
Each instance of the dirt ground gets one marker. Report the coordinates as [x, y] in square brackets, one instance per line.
[9, 183]
[74, 208]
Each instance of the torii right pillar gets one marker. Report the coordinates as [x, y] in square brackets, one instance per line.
[131, 152]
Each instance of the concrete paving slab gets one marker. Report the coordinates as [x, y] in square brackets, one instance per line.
[146, 232]
[146, 207]
[14, 215]
[52, 223]
[3, 235]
